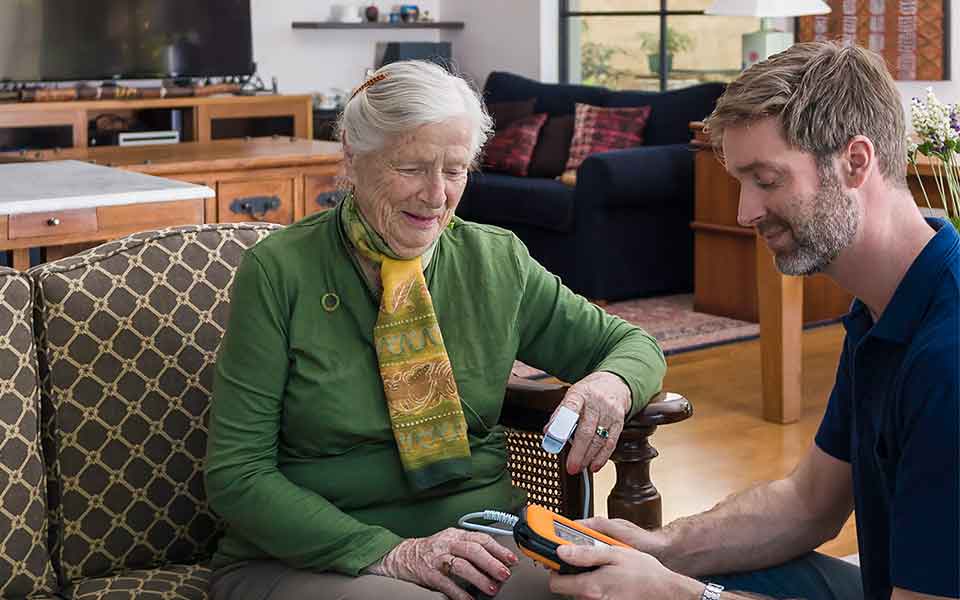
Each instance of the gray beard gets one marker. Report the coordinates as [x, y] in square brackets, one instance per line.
[821, 237]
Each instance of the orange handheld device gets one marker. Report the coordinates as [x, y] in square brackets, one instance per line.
[540, 531]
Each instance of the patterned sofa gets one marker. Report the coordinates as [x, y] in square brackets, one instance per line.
[105, 373]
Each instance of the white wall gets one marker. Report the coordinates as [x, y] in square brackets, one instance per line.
[504, 35]
[308, 60]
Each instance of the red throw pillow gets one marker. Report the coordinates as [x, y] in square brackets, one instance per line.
[553, 148]
[504, 113]
[598, 129]
[511, 149]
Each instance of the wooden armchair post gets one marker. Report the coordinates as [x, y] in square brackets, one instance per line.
[527, 406]
[634, 497]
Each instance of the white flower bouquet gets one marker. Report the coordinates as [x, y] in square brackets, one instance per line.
[936, 135]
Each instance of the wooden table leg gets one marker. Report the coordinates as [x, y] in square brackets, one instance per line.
[21, 259]
[781, 327]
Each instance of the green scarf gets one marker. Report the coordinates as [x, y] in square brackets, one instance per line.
[422, 397]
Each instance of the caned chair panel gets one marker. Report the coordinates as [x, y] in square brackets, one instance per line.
[128, 334]
[25, 567]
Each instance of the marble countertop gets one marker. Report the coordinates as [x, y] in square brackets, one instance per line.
[69, 184]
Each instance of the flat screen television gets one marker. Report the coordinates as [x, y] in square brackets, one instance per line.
[74, 40]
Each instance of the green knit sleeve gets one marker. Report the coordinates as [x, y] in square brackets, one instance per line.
[243, 482]
[565, 335]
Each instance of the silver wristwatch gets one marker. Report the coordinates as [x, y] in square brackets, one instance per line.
[712, 592]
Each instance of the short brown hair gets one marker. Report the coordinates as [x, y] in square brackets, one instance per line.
[823, 94]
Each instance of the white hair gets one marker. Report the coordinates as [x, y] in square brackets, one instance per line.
[412, 93]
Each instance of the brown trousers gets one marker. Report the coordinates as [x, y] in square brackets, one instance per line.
[272, 580]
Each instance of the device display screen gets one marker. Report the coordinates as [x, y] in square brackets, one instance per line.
[575, 537]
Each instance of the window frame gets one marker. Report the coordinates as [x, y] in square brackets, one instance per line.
[663, 13]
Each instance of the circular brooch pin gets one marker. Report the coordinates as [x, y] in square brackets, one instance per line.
[330, 302]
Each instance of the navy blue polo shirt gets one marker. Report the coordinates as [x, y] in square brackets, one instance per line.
[894, 415]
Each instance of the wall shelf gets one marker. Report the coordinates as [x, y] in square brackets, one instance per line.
[377, 25]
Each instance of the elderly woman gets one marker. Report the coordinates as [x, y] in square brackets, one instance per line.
[361, 379]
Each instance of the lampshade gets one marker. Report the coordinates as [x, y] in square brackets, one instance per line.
[768, 8]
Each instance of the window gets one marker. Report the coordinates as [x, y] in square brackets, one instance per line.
[648, 44]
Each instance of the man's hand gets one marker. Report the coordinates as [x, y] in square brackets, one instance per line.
[623, 575]
[654, 543]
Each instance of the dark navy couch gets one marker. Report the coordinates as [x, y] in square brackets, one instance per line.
[624, 230]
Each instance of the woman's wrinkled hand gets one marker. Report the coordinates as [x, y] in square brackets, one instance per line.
[602, 400]
[438, 562]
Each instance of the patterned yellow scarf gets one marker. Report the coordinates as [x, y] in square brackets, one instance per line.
[422, 396]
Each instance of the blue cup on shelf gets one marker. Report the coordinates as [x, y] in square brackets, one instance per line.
[394, 17]
[409, 13]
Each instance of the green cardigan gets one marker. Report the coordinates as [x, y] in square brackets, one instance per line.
[301, 460]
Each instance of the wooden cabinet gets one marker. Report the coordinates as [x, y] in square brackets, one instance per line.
[320, 190]
[90, 225]
[203, 119]
[288, 177]
[275, 179]
[45, 224]
[255, 200]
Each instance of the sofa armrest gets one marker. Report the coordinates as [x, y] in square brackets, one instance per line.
[651, 177]
[528, 404]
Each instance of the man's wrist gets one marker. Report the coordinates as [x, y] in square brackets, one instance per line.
[689, 588]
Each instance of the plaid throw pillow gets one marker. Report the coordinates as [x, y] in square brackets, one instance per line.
[511, 149]
[599, 129]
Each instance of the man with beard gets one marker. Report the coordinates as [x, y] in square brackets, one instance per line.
[816, 137]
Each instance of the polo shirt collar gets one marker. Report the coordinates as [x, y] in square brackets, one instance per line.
[905, 311]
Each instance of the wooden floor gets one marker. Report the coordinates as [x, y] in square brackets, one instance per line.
[726, 445]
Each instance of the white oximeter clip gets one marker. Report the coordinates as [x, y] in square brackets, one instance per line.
[560, 430]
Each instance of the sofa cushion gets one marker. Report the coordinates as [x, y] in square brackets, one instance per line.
[183, 582]
[552, 98]
[507, 200]
[550, 155]
[24, 561]
[128, 337]
[672, 110]
[603, 129]
[510, 150]
[505, 113]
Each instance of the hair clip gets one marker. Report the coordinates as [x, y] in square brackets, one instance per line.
[368, 83]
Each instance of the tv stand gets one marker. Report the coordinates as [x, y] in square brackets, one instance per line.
[204, 118]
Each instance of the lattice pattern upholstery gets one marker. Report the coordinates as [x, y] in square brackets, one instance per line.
[536, 471]
[25, 567]
[179, 582]
[128, 335]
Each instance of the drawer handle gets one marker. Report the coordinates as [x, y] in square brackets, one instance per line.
[255, 206]
[53, 221]
[327, 199]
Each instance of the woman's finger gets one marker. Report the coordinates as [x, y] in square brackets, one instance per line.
[436, 580]
[481, 560]
[491, 545]
[604, 453]
[582, 438]
[596, 446]
[465, 570]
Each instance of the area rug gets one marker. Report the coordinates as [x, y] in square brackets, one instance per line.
[673, 322]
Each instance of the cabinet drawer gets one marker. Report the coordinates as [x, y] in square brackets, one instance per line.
[140, 217]
[261, 200]
[52, 223]
[320, 192]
